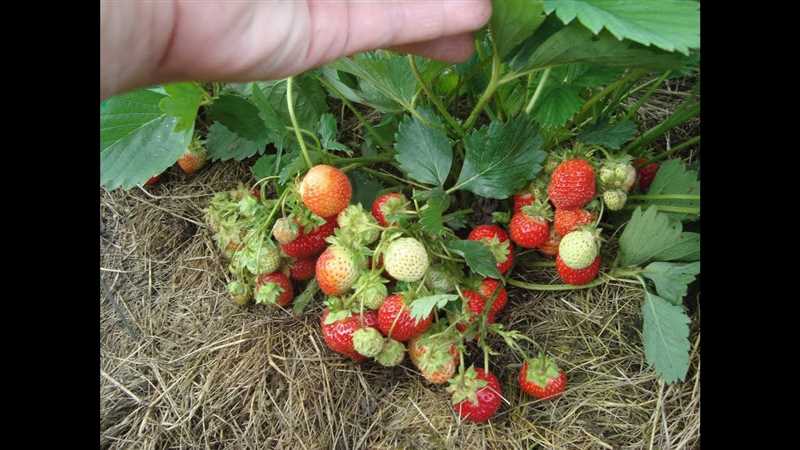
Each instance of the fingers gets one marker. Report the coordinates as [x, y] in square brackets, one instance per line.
[451, 49]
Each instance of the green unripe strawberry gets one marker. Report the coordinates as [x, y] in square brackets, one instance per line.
[357, 226]
[368, 341]
[370, 290]
[579, 248]
[261, 257]
[615, 199]
[406, 259]
[248, 206]
[440, 280]
[392, 353]
[240, 292]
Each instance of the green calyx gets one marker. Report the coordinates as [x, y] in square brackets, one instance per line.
[248, 206]
[268, 293]
[357, 226]
[540, 208]
[393, 208]
[338, 309]
[541, 370]
[370, 290]
[368, 342]
[465, 386]
[501, 217]
[441, 278]
[437, 344]
[392, 353]
[500, 249]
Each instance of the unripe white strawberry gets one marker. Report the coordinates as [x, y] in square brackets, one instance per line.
[628, 178]
[615, 199]
[579, 248]
[406, 259]
[392, 353]
[368, 341]
[285, 230]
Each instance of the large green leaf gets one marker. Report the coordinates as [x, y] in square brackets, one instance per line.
[501, 158]
[672, 279]
[423, 307]
[673, 178]
[557, 105]
[430, 216]
[609, 135]
[665, 333]
[667, 24]
[240, 116]
[513, 21]
[182, 102]
[223, 144]
[575, 44]
[652, 236]
[477, 255]
[137, 139]
[425, 154]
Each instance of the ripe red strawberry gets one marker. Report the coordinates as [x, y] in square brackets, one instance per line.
[487, 289]
[566, 220]
[572, 184]
[476, 395]
[152, 180]
[338, 334]
[325, 190]
[303, 269]
[474, 308]
[311, 244]
[337, 270]
[530, 228]
[542, 378]
[550, 247]
[395, 321]
[521, 199]
[578, 277]
[388, 204]
[193, 159]
[273, 288]
[646, 172]
[497, 240]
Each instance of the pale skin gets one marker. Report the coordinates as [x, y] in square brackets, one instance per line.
[151, 42]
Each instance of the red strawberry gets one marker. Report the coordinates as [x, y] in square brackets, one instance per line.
[311, 244]
[578, 277]
[337, 269]
[303, 269]
[566, 220]
[388, 204]
[476, 395]
[152, 180]
[325, 190]
[542, 378]
[338, 334]
[395, 321]
[496, 239]
[572, 184]
[193, 159]
[530, 228]
[487, 289]
[646, 172]
[550, 247]
[521, 199]
[273, 288]
[474, 308]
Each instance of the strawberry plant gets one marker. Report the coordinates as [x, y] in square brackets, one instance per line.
[388, 227]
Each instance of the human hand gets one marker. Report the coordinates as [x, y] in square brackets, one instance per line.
[145, 42]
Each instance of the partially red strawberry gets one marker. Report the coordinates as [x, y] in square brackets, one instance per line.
[476, 395]
[193, 159]
[152, 180]
[337, 269]
[273, 288]
[523, 198]
[488, 288]
[387, 205]
[572, 184]
[530, 227]
[338, 331]
[303, 269]
[550, 247]
[311, 244]
[541, 378]
[395, 321]
[435, 354]
[325, 190]
[497, 240]
[646, 172]
[566, 220]
[578, 277]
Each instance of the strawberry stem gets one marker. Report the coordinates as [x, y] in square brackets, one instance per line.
[664, 197]
[553, 287]
[295, 124]
[437, 102]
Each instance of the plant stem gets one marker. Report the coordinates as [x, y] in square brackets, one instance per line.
[664, 197]
[309, 134]
[650, 91]
[587, 107]
[677, 148]
[672, 209]
[290, 104]
[454, 213]
[538, 91]
[487, 94]
[552, 287]
[688, 111]
[434, 98]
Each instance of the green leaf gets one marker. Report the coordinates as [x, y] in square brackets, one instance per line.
[652, 236]
[223, 144]
[501, 158]
[477, 255]
[182, 102]
[608, 135]
[301, 301]
[557, 105]
[425, 154]
[137, 140]
[673, 178]
[551, 46]
[297, 165]
[309, 103]
[365, 188]
[513, 21]
[267, 166]
[665, 333]
[672, 280]
[672, 25]
[240, 116]
[423, 307]
[430, 216]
